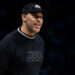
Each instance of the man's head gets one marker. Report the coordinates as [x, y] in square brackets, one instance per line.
[32, 17]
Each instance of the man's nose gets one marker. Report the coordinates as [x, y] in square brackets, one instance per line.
[38, 19]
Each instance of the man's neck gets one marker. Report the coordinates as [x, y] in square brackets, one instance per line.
[24, 30]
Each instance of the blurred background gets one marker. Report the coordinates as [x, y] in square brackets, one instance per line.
[57, 32]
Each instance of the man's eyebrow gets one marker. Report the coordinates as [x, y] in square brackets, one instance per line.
[38, 15]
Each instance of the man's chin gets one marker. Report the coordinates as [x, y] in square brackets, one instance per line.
[37, 31]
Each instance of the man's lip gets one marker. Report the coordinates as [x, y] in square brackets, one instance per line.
[37, 26]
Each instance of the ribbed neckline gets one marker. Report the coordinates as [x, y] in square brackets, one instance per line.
[18, 29]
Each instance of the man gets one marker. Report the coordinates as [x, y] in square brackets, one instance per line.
[21, 51]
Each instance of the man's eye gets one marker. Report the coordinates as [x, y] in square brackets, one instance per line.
[36, 16]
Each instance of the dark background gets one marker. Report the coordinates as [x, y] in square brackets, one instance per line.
[57, 32]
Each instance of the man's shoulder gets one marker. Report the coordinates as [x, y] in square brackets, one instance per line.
[7, 44]
[9, 37]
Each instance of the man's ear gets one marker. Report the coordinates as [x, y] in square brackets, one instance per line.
[23, 16]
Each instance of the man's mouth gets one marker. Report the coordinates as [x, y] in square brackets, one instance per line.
[37, 25]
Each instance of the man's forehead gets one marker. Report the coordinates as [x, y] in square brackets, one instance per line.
[38, 14]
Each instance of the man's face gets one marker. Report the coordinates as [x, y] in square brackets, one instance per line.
[34, 22]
